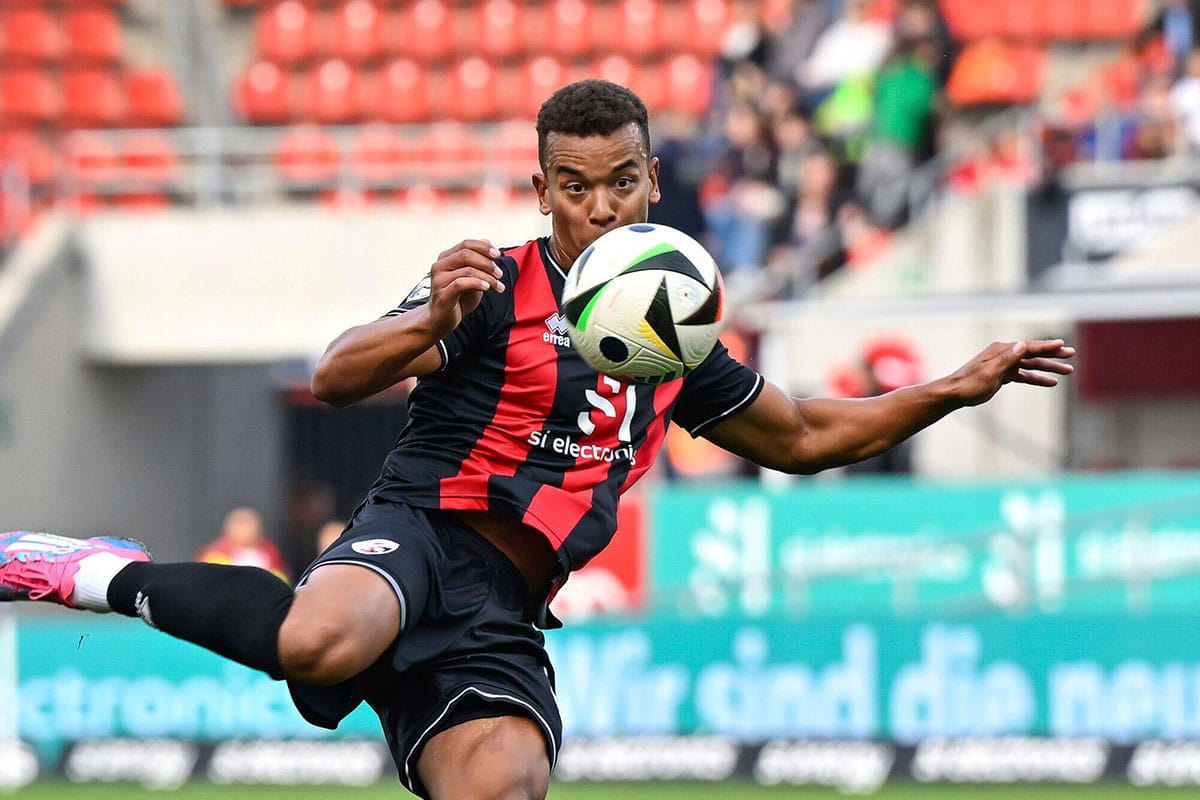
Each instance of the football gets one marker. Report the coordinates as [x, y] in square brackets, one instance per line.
[643, 303]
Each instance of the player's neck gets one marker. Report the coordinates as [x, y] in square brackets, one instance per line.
[559, 256]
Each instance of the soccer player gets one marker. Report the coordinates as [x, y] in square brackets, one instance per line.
[428, 607]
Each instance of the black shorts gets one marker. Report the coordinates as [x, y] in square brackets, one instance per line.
[467, 650]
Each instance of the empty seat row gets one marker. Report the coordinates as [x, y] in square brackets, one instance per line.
[88, 98]
[79, 33]
[1045, 20]
[141, 159]
[378, 156]
[291, 31]
[472, 90]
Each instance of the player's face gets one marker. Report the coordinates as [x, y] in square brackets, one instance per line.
[593, 184]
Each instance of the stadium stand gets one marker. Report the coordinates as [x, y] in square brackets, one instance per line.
[298, 76]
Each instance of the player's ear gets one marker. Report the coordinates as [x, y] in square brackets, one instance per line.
[655, 194]
[540, 185]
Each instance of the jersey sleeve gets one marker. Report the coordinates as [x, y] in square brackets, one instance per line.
[475, 327]
[717, 389]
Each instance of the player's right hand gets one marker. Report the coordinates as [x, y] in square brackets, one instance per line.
[458, 280]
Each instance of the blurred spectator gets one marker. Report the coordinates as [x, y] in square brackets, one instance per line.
[1157, 134]
[794, 42]
[884, 365]
[844, 116]
[1177, 22]
[244, 542]
[807, 244]
[906, 94]
[794, 141]
[853, 46]
[1185, 100]
[862, 241]
[328, 533]
[680, 171]
[741, 199]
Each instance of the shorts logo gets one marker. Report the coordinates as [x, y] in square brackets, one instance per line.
[375, 547]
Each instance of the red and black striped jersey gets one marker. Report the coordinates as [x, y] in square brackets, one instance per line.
[516, 422]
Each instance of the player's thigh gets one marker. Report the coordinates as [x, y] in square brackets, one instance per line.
[344, 613]
[496, 758]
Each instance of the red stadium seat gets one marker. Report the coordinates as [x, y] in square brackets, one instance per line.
[29, 34]
[569, 28]
[473, 88]
[263, 94]
[1113, 19]
[648, 82]
[92, 98]
[357, 31]
[31, 97]
[403, 92]
[307, 156]
[498, 29]
[148, 159]
[422, 198]
[514, 151]
[153, 98]
[493, 196]
[689, 84]
[449, 151]
[286, 32]
[379, 155]
[426, 30]
[142, 201]
[28, 153]
[534, 81]
[1024, 19]
[992, 72]
[706, 23]
[640, 26]
[91, 160]
[645, 78]
[93, 35]
[334, 93]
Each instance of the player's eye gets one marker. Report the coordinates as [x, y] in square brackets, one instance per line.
[624, 183]
[574, 188]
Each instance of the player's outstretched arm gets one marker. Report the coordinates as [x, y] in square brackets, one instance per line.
[369, 358]
[811, 434]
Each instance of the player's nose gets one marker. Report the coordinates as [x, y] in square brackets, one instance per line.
[603, 211]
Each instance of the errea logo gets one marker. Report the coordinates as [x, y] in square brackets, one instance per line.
[556, 333]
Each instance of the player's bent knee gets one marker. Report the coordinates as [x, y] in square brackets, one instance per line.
[340, 622]
[317, 655]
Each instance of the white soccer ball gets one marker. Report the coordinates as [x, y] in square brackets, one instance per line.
[643, 303]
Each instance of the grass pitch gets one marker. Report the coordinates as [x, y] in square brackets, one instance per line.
[57, 790]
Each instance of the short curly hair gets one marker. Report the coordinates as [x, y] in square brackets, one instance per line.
[590, 108]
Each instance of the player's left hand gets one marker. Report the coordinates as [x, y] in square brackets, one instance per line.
[1035, 362]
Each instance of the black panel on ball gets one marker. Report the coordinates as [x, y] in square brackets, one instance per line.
[574, 307]
[672, 260]
[614, 349]
[661, 320]
[707, 313]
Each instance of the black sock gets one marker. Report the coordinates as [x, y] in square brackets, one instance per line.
[235, 612]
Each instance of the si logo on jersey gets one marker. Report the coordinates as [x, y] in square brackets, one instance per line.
[556, 330]
[375, 547]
